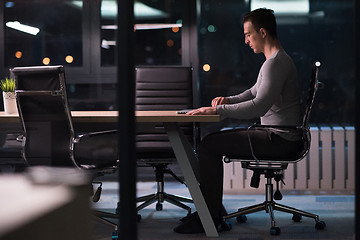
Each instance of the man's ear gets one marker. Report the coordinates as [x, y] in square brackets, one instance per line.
[263, 32]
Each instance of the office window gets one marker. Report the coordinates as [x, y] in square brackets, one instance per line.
[81, 35]
[308, 30]
[43, 33]
[158, 27]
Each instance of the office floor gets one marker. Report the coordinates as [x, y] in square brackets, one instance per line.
[336, 209]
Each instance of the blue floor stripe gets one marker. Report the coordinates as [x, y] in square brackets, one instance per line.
[335, 199]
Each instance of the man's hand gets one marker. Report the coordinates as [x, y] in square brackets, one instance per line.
[219, 101]
[203, 111]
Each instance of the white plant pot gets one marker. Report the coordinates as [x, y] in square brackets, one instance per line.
[9, 102]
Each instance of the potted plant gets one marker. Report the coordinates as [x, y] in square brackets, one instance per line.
[8, 87]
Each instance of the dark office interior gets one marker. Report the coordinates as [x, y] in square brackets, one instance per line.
[206, 35]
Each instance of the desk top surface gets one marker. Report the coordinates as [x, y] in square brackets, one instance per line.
[140, 116]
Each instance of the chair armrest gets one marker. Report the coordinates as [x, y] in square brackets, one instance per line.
[305, 133]
[40, 92]
[285, 127]
[93, 134]
[20, 138]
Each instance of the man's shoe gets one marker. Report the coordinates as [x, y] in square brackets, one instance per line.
[191, 226]
[189, 216]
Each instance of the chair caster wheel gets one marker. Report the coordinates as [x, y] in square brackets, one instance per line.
[159, 207]
[320, 225]
[241, 218]
[225, 226]
[115, 235]
[296, 217]
[138, 217]
[275, 231]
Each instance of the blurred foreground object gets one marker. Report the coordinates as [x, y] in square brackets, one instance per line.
[45, 203]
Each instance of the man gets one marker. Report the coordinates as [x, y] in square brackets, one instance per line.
[274, 99]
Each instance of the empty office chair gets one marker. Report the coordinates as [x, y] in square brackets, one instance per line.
[273, 168]
[49, 138]
[161, 88]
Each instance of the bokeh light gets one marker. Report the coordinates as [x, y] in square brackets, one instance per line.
[46, 61]
[18, 54]
[206, 67]
[170, 43]
[69, 59]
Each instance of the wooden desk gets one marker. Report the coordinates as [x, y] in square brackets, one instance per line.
[183, 151]
[111, 116]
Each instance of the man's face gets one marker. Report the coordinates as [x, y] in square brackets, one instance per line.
[253, 38]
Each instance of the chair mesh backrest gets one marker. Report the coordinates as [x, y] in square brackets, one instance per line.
[313, 87]
[44, 113]
[162, 88]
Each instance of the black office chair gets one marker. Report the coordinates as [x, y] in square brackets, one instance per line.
[161, 88]
[274, 168]
[48, 137]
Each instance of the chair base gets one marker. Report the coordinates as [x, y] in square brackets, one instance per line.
[103, 216]
[160, 197]
[269, 205]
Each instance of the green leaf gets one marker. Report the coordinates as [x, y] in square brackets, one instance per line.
[8, 85]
